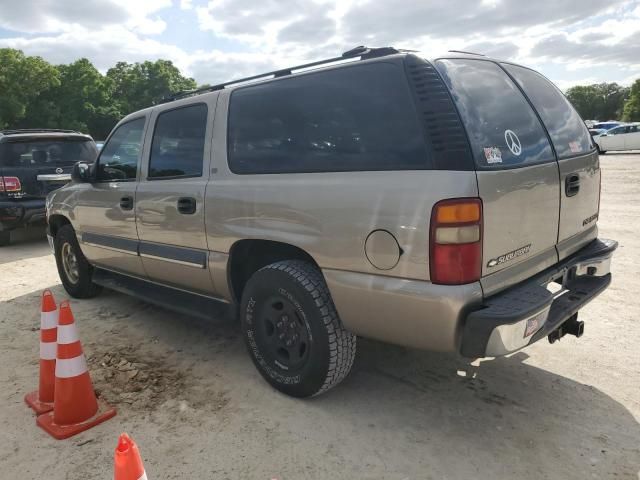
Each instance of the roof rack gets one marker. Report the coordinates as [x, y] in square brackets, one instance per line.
[468, 53]
[361, 52]
[37, 130]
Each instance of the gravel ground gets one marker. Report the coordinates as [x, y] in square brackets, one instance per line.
[187, 392]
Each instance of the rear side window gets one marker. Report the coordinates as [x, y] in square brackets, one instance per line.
[47, 152]
[352, 118]
[503, 129]
[568, 132]
[177, 149]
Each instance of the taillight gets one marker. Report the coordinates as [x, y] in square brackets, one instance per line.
[456, 241]
[10, 184]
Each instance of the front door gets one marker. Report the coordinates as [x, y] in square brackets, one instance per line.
[171, 193]
[105, 207]
[613, 139]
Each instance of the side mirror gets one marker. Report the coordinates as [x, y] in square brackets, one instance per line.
[81, 172]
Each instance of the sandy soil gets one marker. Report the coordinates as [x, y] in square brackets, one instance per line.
[198, 408]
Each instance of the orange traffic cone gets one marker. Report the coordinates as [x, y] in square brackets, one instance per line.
[127, 464]
[75, 407]
[41, 401]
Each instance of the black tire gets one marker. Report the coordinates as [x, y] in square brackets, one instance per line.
[82, 286]
[294, 292]
[5, 238]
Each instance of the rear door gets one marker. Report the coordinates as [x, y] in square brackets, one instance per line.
[577, 160]
[170, 196]
[516, 170]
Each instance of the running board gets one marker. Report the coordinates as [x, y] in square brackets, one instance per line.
[171, 298]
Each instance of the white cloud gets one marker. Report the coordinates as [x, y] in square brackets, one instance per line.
[599, 39]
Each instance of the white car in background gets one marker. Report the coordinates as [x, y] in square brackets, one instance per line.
[624, 137]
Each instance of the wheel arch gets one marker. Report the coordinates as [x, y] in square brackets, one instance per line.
[248, 256]
[56, 222]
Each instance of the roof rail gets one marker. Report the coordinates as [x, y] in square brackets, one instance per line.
[37, 130]
[361, 52]
[468, 53]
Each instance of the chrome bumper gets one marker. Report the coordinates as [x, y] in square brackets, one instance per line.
[531, 310]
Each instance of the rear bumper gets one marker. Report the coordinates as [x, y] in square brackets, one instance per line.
[14, 213]
[527, 312]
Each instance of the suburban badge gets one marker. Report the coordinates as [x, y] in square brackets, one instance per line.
[518, 252]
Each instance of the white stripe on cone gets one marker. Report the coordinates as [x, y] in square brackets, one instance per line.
[48, 350]
[71, 367]
[67, 334]
[143, 476]
[48, 320]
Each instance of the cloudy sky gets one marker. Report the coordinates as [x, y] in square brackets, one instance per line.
[571, 41]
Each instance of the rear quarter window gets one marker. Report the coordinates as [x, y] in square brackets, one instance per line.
[503, 129]
[352, 118]
[568, 132]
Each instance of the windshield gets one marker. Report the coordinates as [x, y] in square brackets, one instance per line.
[47, 152]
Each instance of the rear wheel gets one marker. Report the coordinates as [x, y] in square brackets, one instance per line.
[292, 330]
[74, 269]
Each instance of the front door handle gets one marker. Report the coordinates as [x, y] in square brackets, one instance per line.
[187, 205]
[572, 184]
[126, 203]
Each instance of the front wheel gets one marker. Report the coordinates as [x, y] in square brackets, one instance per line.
[74, 269]
[292, 330]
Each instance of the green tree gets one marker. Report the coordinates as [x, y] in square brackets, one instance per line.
[82, 101]
[632, 105]
[600, 101]
[22, 79]
[141, 85]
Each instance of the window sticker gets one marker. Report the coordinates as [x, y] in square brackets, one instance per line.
[574, 147]
[493, 155]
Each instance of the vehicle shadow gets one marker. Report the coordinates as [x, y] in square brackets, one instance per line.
[500, 415]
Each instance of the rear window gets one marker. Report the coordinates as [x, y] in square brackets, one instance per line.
[46, 152]
[352, 118]
[503, 129]
[568, 132]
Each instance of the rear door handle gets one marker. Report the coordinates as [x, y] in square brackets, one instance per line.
[572, 184]
[126, 203]
[187, 205]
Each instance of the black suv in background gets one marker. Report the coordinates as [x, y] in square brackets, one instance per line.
[32, 164]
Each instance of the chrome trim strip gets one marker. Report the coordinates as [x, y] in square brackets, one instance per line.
[54, 177]
[172, 260]
[91, 244]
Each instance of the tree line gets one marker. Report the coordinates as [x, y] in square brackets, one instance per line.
[36, 94]
[606, 101]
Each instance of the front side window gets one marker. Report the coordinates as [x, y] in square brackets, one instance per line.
[617, 131]
[177, 149]
[353, 118]
[568, 132]
[503, 129]
[119, 157]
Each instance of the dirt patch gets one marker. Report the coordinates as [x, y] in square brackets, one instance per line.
[125, 376]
